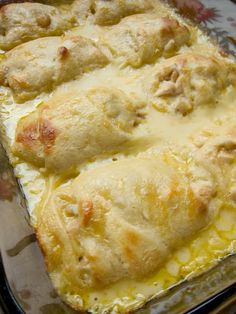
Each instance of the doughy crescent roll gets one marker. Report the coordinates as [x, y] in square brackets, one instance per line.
[74, 126]
[21, 22]
[142, 38]
[42, 64]
[121, 221]
[110, 12]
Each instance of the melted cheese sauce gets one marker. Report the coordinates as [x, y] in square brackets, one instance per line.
[159, 132]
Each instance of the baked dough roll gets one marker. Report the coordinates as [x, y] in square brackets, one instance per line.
[21, 22]
[142, 38]
[40, 65]
[74, 126]
[185, 82]
[121, 221]
[111, 12]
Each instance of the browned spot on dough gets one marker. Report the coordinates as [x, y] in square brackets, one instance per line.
[130, 242]
[43, 21]
[168, 27]
[17, 81]
[47, 134]
[92, 258]
[200, 201]
[205, 196]
[29, 135]
[63, 53]
[87, 207]
[132, 238]
[128, 252]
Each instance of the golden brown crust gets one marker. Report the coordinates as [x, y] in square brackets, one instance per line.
[75, 126]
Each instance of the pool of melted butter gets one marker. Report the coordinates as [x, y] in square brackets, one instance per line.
[160, 131]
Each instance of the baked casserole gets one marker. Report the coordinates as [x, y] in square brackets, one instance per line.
[118, 118]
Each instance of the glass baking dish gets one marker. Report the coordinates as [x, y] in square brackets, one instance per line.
[24, 284]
